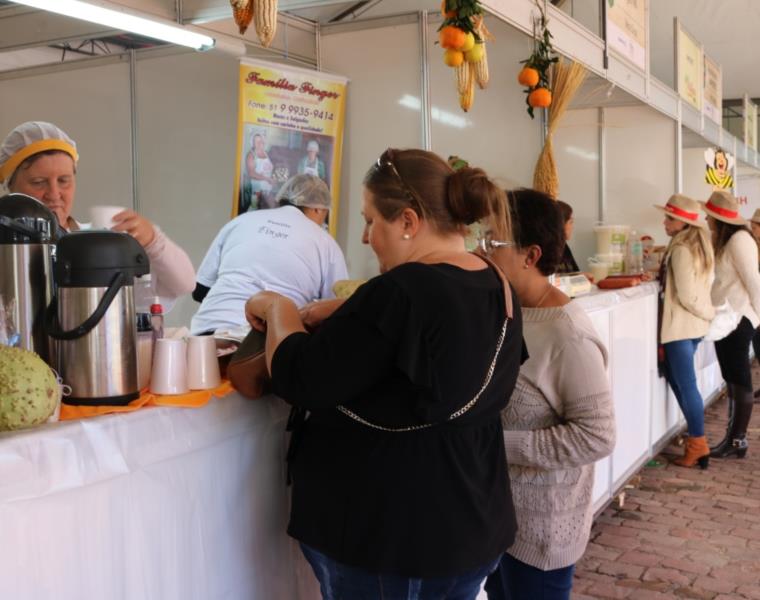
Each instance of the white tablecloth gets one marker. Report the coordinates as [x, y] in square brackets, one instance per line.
[159, 504]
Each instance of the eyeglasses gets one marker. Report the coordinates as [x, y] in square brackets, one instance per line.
[487, 244]
[386, 162]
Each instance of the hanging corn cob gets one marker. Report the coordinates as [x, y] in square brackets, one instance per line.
[480, 68]
[482, 76]
[468, 97]
[464, 77]
[463, 36]
[242, 13]
[265, 20]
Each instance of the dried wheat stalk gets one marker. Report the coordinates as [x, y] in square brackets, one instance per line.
[566, 79]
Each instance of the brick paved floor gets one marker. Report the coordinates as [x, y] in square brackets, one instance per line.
[681, 533]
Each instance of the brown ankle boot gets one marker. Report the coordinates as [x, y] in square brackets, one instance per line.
[697, 451]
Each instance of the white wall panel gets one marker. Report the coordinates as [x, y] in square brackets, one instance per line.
[383, 109]
[641, 167]
[497, 134]
[92, 106]
[187, 132]
[748, 186]
[694, 184]
[576, 151]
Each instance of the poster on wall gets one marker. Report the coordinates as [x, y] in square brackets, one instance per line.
[628, 29]
[719, 165]
[290, 121]
[712, 97]
[750, 123]
[689, 67]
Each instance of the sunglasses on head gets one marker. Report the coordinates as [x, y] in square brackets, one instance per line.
[487, 244]
[384, 161]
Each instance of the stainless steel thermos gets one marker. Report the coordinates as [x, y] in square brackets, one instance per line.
[92, 315]
[28, 230]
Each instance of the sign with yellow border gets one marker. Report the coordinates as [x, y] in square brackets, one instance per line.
[628, 29]
[290, 121]
[689, 67]
[712, 99]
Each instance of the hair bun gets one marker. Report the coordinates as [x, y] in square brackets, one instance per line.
[469, 190]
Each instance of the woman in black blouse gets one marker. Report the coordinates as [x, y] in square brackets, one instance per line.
[399, 470]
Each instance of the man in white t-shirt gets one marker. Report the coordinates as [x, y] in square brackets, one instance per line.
[285, 250]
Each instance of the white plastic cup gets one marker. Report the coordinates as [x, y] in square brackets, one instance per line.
[169, 374]
[615, 262]
[101, 217]
[599, 269]
[202, 363]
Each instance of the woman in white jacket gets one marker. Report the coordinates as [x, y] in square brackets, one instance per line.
[736, 280]
[686, 314]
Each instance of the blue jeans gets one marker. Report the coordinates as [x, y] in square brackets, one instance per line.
[679, 371]
[338, 581]
[515, 580]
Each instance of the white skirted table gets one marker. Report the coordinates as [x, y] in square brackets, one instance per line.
[191, 504]
[646, 410]
[158, 504]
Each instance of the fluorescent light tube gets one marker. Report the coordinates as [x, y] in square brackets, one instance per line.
[118, 18]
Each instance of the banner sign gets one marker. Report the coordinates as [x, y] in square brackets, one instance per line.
[712, 104]
[750, 123]
[290, 121]
[628, 28]
[689, 67]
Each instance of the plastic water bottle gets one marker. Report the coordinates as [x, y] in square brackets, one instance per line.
[157, 319]
[635, 254]
[143, 289]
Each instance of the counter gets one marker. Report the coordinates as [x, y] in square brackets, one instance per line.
[158, 504]
[168, 503]
[646, 410]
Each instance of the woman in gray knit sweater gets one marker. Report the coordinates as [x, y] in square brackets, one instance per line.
[560, 419]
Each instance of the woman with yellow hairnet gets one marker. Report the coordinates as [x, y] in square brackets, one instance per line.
[39, 159]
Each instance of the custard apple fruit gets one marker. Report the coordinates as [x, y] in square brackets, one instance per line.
[29, 391]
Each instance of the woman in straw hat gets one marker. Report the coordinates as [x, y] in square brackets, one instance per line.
[686, 314]
[737, 281]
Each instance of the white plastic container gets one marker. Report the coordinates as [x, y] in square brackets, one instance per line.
[611, 239]
[615, 262]
[599, 269]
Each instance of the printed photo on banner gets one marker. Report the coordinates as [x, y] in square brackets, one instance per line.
[290, 122]
[272, 155]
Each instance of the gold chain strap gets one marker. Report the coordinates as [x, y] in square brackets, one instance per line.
[452, 416]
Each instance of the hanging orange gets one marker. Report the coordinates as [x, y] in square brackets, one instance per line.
[528, 77]
[452, 38]
[448, 14]
[540, 98]
[453, 58]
